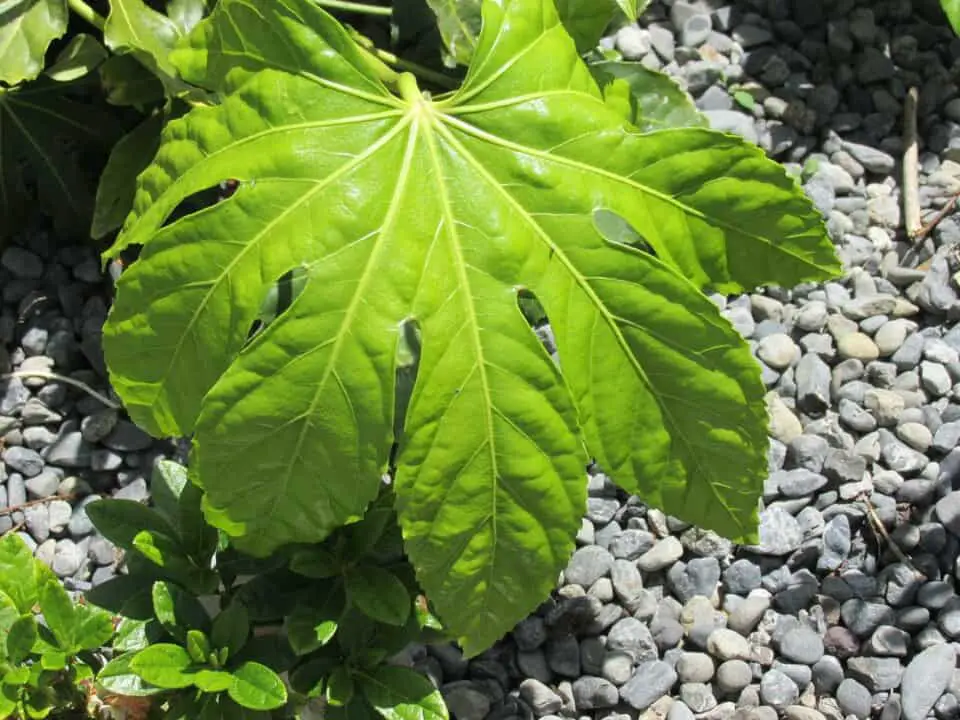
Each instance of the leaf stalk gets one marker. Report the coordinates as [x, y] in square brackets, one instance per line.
[362, 8]
[87, 13]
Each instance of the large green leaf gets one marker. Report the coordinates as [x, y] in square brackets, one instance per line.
[53, 139]
[952, 10]
[27, 27]
[257, 687]
[443, 210]
[164, 665]
[132, 25]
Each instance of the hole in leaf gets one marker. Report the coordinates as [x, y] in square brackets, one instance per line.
[615, 229]
[408, 364]
[536, 317]
[279, 297]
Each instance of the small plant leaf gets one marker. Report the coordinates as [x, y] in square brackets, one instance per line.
[178, 611]
[198, 646]
[316, 562]
[119, 521]
[18, 577]
[745, 99]
[21, 638]
[257, 687]
[53, 661]
[649, 99]
[379, 594]
[339, 686]
[231, 628]
[58, 612]
[116, 677]
[82, 55]
[92, 627]
[132, 153]
[586, 20]
[164, 665]
[27, 27]
[213, 681]
[179, 501]
[399, 693]
[951, 9]
[312, 625]
[132, 635]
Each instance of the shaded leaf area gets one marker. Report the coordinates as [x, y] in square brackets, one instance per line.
[399, 207]
[54, 138]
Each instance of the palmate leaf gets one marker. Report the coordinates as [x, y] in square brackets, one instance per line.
[53, 140]
[441, 211]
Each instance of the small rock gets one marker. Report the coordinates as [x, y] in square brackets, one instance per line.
[651, 681]
[728, 645]
[801, 645]
[925, 680]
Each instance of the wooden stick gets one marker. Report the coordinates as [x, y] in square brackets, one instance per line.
[881, 531]
[944, 211]
[30, 503]
[911, 166]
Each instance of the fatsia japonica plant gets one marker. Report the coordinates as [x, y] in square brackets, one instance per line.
[429, 218]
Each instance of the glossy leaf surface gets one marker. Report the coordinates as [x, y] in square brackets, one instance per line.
[399, 206]
[27, 27]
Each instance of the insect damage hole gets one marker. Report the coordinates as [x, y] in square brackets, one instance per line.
[278, 299]
[537, 319]
[615, 229]
[408, 365]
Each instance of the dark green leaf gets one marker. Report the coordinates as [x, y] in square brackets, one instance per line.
[363, 536]
[179, 501]
[272, 650]
[121, 520]
[257, 687]
[164, 665]
[398, 693]
[136, 634]
[272, 595]
[339, 689]
[357, 709]
[379, 594]
[231, 628]
[178, 611]
[127, 595]
[17, 573]
[316, 562]
[27, 27]
[117, 678]
[20, 639]
[649, 99]
[586, 20]
[213, 681]
[54, 138]
[308, 677]
[313, 623]
[198, 646]
[126, 82]
[83, 55]
[129, 157]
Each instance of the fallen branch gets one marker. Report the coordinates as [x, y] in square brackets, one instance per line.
[877, 524]
[30, 503]
[49, 375]
[925, 230]
[911, 167]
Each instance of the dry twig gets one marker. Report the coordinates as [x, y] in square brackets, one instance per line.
[30, 503]
[911, 166]
[879, 530]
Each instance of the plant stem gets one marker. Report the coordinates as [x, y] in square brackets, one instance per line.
[426, 73]
[347, 6]
[62, 378]
[88, 13]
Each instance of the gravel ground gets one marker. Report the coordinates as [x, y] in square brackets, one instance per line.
[827, 617]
